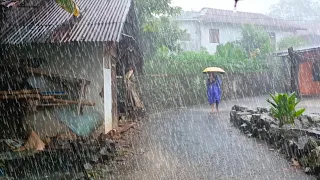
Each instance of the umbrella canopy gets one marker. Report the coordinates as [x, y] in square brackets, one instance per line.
[214, 69]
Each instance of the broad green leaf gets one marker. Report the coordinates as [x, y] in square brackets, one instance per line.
[272, 103]
[299, 112]
[70, 6]
[284, 107]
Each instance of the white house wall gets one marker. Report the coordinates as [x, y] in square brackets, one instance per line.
[77, 61]
[227, 33]
[282, 34]
[74, 61]
[191, 27]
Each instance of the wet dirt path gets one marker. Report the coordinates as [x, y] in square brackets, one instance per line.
[193, 144]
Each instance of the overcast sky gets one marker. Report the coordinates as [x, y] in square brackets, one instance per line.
[257, 6]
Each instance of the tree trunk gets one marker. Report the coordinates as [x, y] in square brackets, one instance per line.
[294, 71]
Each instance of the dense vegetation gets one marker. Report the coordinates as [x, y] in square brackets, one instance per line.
[156, 26]
[294, 41]
[195, 62]
[247, 55]
[296, 10]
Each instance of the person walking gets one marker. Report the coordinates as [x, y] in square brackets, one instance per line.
[214, 91]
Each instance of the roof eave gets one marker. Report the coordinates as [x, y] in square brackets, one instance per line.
[186, 19]
[286, 28]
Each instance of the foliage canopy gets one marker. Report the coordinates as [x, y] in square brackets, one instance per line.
[296, 10]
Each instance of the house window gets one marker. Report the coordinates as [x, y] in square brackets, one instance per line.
[272, 36]
[214, 36]
[316, 71]
[186, 37]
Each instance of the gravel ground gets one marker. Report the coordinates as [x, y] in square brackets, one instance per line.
[192, 144]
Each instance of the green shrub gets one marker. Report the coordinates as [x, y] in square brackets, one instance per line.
[283, 108]
[231, 51]
[293, 41]
[256, 39]
[189, 62]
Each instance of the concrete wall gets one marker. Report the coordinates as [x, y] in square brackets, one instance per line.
[75, 61]
[45, 124]
[173, 91]
[227, 33]
[192, 28]
[80, 61]
[280, 35]
[69, 60]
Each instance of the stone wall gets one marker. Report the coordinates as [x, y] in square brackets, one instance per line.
[163, 92]
[299, 142]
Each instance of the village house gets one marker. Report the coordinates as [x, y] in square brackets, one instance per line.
[309, 70]
[211, 27]
[310, 36]
[65, 68]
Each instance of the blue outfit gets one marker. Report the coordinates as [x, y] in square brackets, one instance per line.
[214, 91]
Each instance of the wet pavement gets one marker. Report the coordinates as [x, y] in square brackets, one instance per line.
[191, 143]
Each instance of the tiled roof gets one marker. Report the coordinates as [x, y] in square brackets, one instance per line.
[227, 16]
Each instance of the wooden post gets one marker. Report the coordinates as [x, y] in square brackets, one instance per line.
[82, 96]
[294, 71]
[114, 95]
[125, 89]
[107, 92]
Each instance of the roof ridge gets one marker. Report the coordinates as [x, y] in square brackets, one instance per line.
[232, 11]
[228, 16]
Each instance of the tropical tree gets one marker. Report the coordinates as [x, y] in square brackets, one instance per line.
[147, 9]
[160, 32]
[256, 41]
[296, 10]
[156, 25]
[231, 50]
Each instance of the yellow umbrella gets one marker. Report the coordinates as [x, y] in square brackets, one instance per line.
[214, 69]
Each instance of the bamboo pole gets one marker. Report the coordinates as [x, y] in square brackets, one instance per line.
[26, 96]
[64, 101]
[26, 91]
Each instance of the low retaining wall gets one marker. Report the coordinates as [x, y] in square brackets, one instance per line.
[300, 142]
[171, 91]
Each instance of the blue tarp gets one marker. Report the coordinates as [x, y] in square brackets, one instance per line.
[82, 125]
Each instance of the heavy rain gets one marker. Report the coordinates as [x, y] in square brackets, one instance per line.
[160, 89]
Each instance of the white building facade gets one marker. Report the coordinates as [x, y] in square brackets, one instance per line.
[211, 27]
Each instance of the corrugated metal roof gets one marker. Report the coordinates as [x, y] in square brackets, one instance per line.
[100, 20]
[227, 16]
[299, 50]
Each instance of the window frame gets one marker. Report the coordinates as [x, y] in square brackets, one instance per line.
[214, 36]
[316, 71]
[273, 37]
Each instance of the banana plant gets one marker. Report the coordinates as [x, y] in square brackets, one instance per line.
[283, 108]
[70, 6]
